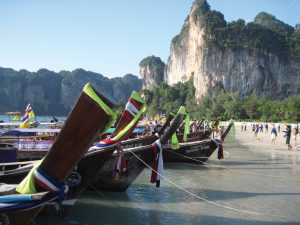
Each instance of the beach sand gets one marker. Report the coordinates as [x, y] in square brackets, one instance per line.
[263, 140]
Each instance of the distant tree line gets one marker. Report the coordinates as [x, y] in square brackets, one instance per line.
[220, 103]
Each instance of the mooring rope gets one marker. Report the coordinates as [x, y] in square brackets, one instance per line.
[201, 198]
[232, 170]
[103, 195]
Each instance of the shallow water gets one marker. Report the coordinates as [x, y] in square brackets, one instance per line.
[252, 186]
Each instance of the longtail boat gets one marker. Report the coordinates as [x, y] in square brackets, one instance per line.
[14, 172]
[92, 161]
[134, 166]
[198, 134]
[26, 144]
[196, 151]
[88, 167]
[86, 170]
[91, 115]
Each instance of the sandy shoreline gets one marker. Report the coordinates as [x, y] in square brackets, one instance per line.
[263, 141]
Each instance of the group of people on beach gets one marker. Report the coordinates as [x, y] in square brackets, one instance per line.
[291, 132]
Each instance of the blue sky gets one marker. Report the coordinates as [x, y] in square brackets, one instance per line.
[110, 37]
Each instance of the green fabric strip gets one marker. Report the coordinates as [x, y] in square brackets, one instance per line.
[88, 89]
[174, 143]
[186, 127]
[182, 110]
[136, 96]
[172, 114]
[135, 119]
[112, 120]
[27, 185]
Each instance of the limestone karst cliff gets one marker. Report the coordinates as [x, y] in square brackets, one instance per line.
[53, 93]
[261, 56]
[152, 72]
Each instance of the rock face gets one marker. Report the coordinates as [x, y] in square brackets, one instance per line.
[53, 93]
[209, 51]
[152, 72]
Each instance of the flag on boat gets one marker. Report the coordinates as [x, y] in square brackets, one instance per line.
[31, 114]
[16, 118]
[26, 117]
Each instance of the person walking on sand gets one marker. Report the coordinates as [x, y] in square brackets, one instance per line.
[273, 134]
[288, 132]
[294, 136]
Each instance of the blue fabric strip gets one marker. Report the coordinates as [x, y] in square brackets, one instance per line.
[14, 198]
[29, 204]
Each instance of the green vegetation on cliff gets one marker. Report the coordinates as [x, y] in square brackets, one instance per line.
[226, 105]
[265, 34]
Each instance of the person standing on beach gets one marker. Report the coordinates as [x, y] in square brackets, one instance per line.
[273, 134]
[288, 136]
[256, 130]
[294, 137]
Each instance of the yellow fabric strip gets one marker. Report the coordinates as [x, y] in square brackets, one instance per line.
[27, 185]
[88, 89]
[174, 143]
[129, 126]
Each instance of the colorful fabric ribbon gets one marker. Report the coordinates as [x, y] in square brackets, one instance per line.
[39, 176]
[132, 113]
[158, 164]
[119, 164]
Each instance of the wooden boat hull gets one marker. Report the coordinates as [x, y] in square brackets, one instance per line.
[105, 180]
[134, 165]
[195, 136]
[193, 152]
[95, 158]
[86, 120]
